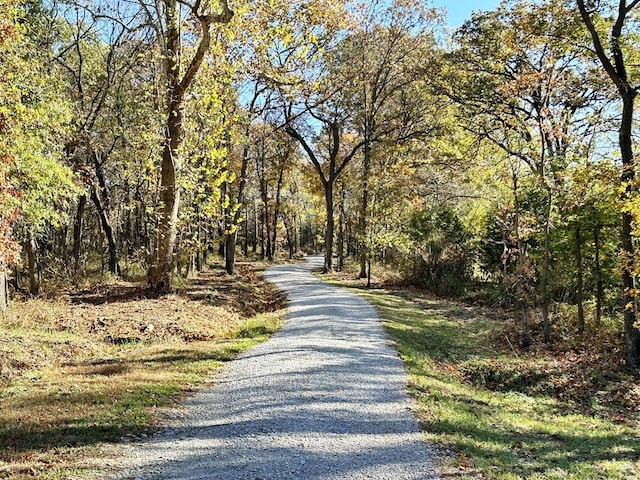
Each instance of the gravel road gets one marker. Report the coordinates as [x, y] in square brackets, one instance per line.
[324, 399]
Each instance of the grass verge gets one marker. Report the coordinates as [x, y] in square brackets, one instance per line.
[92, 367]
[511, 432]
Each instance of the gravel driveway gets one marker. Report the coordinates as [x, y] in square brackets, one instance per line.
[323, 399]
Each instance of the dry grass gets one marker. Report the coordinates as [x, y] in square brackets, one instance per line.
[90, 367]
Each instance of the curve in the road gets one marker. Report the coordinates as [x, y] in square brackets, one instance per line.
[323, 399]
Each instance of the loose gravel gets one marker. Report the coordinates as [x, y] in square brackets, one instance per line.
[323, 399]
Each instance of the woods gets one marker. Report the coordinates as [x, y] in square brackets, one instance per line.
[496, 164]
[476, 184]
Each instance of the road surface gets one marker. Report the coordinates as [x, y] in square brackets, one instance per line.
[323, 399]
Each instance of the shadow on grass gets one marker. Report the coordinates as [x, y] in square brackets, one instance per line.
[539, 451]
[105, 405]
[503, 431]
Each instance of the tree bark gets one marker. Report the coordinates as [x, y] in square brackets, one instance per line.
[232, 237]
[545, 274]
[617, 72]
[114, 266]
[328, 236]
[632, 333]
[4, 292]
[525, 335]
[364, 247]
[598, 274]
[30, 248]
[341, 214]
[276, 214]
[580, 281]
[162, 264]
[77, 232]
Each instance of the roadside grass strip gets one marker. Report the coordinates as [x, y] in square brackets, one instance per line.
[505, 434]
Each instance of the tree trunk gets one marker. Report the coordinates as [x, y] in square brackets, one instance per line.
[580, 281]
[161, 272]
[545, 274]
[263, 223]
[77, 232]
[341, 229]
[632, 333]
[161, 265]
[328, 238]
[521, 307]
[598, 274]
[245, 245]
[30, 248]
[114, 266]
[617, 72]
[4, 292]
[366, 171]
[232, 238]
[276, 214]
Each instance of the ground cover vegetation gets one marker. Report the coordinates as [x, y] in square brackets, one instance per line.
[91, 366]
[142, 141]
[499, 411]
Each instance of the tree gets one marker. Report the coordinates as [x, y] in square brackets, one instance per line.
[381, 62]
[40, 115]
[616, 68]
[103, 47]
[524, 88]
[170, 31]
[9, 37]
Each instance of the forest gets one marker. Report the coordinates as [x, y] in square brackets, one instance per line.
[493, 164]
[495, 161]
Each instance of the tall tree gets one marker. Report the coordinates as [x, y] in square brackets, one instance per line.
[382, 61]
[615, 65]
[9, 95]
[169, 29]
[525, 90]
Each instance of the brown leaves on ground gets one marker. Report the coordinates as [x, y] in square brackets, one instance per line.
[86, 367]
[33, 333]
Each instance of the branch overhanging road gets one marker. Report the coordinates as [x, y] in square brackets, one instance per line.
[324, 398]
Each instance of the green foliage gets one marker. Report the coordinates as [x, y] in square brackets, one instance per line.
[34, 115]
[443, 254]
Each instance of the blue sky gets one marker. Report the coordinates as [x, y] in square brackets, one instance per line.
[459, 11]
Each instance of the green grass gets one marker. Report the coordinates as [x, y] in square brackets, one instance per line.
[502, 434]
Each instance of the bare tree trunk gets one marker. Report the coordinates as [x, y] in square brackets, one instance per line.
[525, 335]
[632, 333]
[366, 172]
[255, 227]
[77, 232]
[580, 281]
[598, 274]
[276, 214]
[114, 266]
[245, 245]
[232, 237]
[4, 292]
[30, 248]
[341, 229]
[545, 274]
[290, 235]
[328, 236]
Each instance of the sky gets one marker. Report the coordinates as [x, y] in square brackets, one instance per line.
[460, 10]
